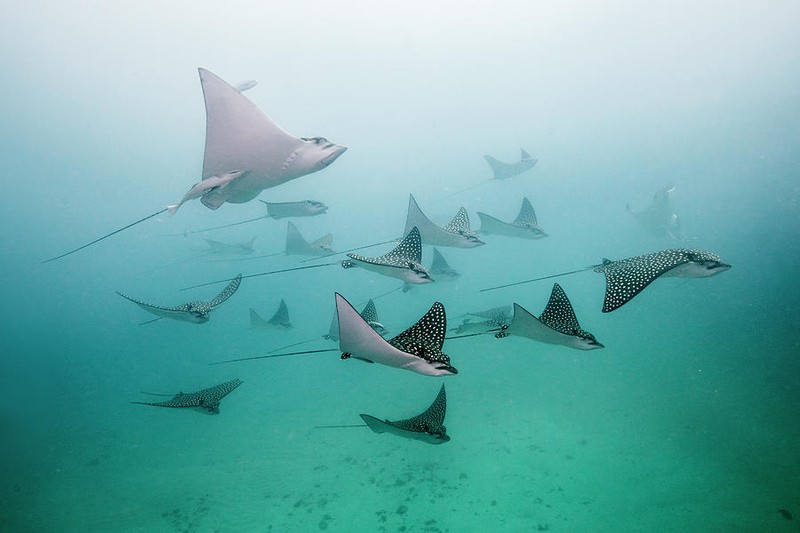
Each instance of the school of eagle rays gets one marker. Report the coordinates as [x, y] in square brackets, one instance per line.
[246, 153]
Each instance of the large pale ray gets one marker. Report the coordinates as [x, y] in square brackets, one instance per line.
[239, 136]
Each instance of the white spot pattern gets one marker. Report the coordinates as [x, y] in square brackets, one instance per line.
[628, 277]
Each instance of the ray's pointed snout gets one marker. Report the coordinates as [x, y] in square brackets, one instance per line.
[335, 151]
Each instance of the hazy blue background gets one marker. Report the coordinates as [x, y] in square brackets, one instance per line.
[687, 421]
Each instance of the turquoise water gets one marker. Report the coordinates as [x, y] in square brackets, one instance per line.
[686, 421]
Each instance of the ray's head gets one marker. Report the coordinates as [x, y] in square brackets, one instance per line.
[436, 436]
[198, 311]
[587, 341]
[416, 273]
[315, 207]
[701, 265]
[319, 152]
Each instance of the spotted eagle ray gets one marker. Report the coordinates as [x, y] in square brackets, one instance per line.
[240, 137]
[404, 262]
[418, 349]
[370, 316]
[195, 311]
[425, 427]
[628, 277]
[279, 320]
[659, 218]
[456, 234]
[524, 226]
[556, 325]
[206, 400]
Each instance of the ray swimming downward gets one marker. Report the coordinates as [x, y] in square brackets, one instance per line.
[245, 153]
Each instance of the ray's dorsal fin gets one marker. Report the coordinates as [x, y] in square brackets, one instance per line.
[226, 293]
[426, 335]
[558, 313]
[370, 313]
[409, 250]
[439, 262]
[430, 420]
[526, 216]
[460, 223]
[281, 316]
[256, 321]
[324, 243]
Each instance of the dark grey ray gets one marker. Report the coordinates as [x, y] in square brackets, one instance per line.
[305, 208]
[370, 316]
[628, 277]
[206, 400]
[279, 320]
[556, 325]
[241, 136]
[456, 234]
[419, 348]
[245, 248]
[197, 312]
[659, 218]
[297, 245]
[440, 269]
[245, 85]
[404, 262]
[494, 319]
[502, 170]
[426, 427]
[502, 310]
[525, 226]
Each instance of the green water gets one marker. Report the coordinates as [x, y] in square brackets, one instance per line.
[687, 420]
